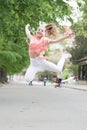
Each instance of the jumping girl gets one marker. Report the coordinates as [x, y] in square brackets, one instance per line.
[38, 44]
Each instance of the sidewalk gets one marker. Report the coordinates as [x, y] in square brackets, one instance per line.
[76, 85]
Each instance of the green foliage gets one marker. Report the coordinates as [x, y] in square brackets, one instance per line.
[65, 74]
[80, 45]
[13, 61]
[74, 69]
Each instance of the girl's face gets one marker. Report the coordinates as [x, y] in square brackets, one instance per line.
[40, 32]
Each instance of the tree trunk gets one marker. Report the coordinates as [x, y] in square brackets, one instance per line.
[3, 75]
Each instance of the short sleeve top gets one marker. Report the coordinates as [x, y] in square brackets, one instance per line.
[38, 45]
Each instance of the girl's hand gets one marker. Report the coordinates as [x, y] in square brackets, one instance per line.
[68, 32]
[27, 26]
[27, 31]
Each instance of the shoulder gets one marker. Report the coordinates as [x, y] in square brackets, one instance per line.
[46, 40]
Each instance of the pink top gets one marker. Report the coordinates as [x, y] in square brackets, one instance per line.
[38, 45]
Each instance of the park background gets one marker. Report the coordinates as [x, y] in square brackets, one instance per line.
[14, 15]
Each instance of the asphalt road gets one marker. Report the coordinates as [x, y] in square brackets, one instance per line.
[36, 107]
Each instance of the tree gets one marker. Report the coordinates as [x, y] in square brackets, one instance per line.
[79, 50]
[80, 44]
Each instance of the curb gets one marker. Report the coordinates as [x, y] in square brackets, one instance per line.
[82, 89]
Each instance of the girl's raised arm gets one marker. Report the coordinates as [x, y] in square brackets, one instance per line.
[28, 31]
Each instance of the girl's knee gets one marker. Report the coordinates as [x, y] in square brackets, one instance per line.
[29, 77]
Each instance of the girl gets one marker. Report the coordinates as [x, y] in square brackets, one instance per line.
[38, 44]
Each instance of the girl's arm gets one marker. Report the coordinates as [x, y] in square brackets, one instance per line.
[28, 31]
[59, 39]
[68, 34]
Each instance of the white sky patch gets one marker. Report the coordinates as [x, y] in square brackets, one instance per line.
[76, 13]
[65, 22]
[72, 3]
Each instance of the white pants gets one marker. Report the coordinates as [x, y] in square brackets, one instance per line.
[39, 65]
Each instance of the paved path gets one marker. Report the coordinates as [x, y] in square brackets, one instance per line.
[36, 107]
[77, 86]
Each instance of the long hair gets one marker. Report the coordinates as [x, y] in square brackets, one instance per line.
[51, 30]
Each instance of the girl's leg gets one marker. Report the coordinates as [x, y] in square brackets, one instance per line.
[32, 70]
[38, 65]
[30, 73]
[61, 63]
[47, 65]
